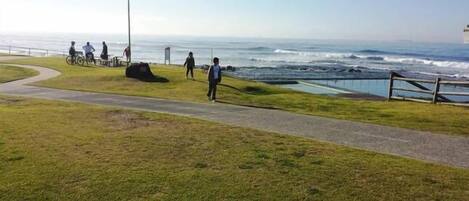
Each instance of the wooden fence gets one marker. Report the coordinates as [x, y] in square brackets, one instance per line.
[438, 96]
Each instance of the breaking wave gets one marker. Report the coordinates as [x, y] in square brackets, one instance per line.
[374, 52]
[313, 55]
[260, 48]
[375, 55]
[445, 64]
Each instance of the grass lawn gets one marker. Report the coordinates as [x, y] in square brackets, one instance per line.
[10, 73]
[425, 117]
[69, 151]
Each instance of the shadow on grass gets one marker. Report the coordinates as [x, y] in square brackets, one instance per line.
[154, 79]
[246, 90]
[249, 105]
[80, 66]
[249, 90]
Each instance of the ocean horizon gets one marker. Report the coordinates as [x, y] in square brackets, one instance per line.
[272, 55]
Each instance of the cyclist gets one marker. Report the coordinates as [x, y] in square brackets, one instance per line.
[72, 52]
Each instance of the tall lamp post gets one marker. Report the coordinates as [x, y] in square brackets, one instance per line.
[130, 42]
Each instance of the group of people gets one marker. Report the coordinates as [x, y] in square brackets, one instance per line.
[89, 52]
[214, 72]
[214, 75]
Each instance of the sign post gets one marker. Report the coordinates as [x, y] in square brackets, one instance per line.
[167, 56]
[466, 35]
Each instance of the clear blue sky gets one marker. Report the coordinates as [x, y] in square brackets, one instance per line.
[419, 20]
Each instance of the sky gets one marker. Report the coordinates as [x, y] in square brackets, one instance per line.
[386, 20]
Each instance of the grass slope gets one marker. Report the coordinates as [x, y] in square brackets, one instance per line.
[69, 151]
[424, 117]
[9, 73]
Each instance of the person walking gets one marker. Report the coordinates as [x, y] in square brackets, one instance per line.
[190, 65]
[214, 78]
[104, 53]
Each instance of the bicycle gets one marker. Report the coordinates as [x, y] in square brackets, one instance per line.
[89, 59]
[78, 58]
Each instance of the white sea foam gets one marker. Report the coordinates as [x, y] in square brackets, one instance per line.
[403, 60]
[322, 55]
[445, 64]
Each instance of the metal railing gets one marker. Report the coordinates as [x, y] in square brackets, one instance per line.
[30, 51]
[157, 55]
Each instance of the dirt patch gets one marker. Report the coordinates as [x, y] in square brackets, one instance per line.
[123, 120]
[362, 97]
[10, 101]
[255, 90]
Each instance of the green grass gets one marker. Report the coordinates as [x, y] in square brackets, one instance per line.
[10, 73]
[69, 151]
[425, 117]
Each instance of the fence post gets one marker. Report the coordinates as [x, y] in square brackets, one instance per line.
[211, 55]
[391, 85]
[437, 90]
[9, 50]
[29, 51]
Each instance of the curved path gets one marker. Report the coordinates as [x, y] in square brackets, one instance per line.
[442, 149]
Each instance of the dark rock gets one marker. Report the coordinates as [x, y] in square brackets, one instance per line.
[140, 71]
[230, 68]
[354, 71]
[354, 57]
[375, 58]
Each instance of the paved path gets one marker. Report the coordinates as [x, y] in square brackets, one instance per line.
[442, 149]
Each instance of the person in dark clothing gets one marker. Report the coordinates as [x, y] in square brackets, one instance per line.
[214, 78]
[190, 64]
[72, 52]
[104, 54]
[127, 53]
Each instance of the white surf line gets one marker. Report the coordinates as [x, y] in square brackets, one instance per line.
[326, 88]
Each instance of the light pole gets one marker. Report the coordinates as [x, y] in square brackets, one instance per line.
[130, 42]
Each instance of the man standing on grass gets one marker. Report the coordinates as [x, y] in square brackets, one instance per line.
[190, 64]
[127, 53]
[89, 49]
[104, 54]
[214, 78]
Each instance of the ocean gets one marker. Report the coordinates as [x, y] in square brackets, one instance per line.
[275, 58]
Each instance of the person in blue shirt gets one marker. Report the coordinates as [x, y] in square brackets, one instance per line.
[89, 49]
[214, 78]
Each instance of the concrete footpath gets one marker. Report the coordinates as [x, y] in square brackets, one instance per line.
[442, 149]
